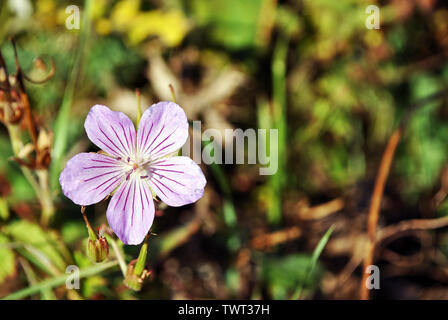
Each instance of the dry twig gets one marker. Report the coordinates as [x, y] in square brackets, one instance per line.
[380, 182]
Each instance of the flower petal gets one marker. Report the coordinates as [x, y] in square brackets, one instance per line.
[112, 131]
[89, 177]
[163, 129]
[177, 180]
[131, 211]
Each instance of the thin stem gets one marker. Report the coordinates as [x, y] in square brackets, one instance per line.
[118, 254]
[141, 262]
[41, 187]
[16, 143]
[410, 225]
[139, 107]
[46, 294]
[374, 209]
[60, 280]
[46, 199]
[92, 233]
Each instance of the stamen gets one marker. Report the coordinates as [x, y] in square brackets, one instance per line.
[146, 162]
[129, 159]
[144, 177]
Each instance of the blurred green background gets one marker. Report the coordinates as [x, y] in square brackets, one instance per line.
[334, 89]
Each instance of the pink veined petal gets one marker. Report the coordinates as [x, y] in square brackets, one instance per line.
[131, 211]
[176, 180]
[112, 131]
[89, 177]
[163, 129]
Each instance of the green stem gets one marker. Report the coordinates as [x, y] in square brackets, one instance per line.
[118, 254]
[32, 180]
[139, 107]
[46, 199]
[92, 234]
[16, 143]
[40, 185]
[46, 294]
[279, 116]
[229, 211]
[60, 280]
[141, 262]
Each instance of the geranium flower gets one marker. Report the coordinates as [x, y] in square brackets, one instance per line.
[134, 166]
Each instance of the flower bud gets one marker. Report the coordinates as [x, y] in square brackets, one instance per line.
[135, 281]
[98, 249]
[137, 272]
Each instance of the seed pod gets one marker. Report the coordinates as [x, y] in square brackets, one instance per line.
[98, 249]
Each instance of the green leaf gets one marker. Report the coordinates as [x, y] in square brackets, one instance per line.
[424, 143]
[232, 279]
[7, 265]
[319, 248]
[47, 293]
[231, 23]
[174, 238]
[37, 245]
[73, 231]
[21, 189]
[283, 274]
[93, 285]
[4, 211]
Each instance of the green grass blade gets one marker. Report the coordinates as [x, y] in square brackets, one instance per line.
[60, 280]
[316, 254]
[63, 117]
[276, 181]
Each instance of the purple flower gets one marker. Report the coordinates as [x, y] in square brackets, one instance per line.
[134, 166]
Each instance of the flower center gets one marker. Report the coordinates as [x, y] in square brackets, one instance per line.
[136, 168]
